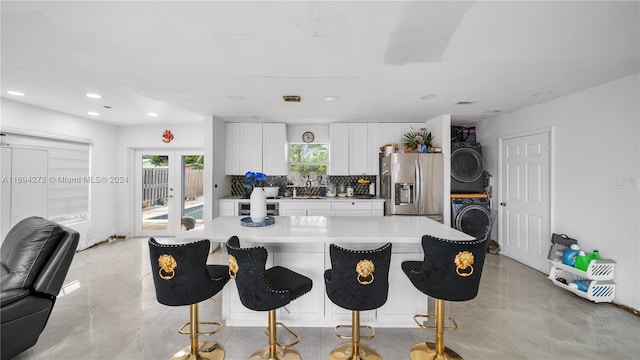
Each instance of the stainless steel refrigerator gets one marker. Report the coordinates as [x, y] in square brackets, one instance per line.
[413, 184]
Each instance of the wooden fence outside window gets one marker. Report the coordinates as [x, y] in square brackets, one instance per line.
[155, 185]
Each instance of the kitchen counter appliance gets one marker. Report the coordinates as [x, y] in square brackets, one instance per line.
[413, 184]
[244, 209]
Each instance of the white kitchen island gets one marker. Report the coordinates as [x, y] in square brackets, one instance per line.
[301, 243]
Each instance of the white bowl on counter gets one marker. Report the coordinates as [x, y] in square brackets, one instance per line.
[271, 191]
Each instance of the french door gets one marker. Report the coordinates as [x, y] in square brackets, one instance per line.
[169, 192]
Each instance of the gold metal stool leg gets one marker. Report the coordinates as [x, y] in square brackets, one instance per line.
[208, 350]
[354, 350]
[276, 351]
[437, 350]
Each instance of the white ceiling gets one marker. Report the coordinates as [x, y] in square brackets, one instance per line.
[189, 59]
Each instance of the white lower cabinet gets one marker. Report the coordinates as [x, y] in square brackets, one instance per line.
[305, 208]
[377, 208]
[403, 296]
[293, 212]
[228, 207]
[351, 208]
[310, 306]
[325, 207]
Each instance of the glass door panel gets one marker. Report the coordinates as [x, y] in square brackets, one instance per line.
[192, 199]
[169, 193]
[155, 189]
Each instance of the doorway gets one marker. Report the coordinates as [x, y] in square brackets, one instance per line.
[524, 197]
[169, 189]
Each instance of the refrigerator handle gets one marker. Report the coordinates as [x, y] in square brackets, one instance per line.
[418, 187]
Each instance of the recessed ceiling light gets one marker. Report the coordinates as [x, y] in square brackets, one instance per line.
[93, 113]
[331, 98]
[428, 96]
[94, 96]
[16, 93]
[152, 114]
[466, 102]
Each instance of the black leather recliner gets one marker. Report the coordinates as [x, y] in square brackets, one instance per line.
[34, 261]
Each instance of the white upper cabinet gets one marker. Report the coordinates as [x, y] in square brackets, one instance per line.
[244, 148]
[232, 156]
[250, 147]
[354, 148]
[338, 149]
[358, 149]
[274, 149]
[373, 149]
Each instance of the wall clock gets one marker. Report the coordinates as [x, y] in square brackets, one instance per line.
[308, 136]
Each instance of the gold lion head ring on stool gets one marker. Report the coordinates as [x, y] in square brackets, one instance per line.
[358, 280]
[464, 260]
[233, 267]
[181, 276]
[449, 271]
[167, 266]
[365, 269]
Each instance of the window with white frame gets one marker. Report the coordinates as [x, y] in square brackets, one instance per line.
[67, 176]
[307, 162]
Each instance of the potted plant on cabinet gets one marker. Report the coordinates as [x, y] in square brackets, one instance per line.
[417, 140]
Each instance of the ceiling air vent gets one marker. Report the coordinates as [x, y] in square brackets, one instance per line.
[291, 98]
[466, 102]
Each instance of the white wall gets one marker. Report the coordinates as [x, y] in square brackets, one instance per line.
[440, 128]
[16, 115]
[131, 138]
[320, 132]
[217, 184]
[595, 141]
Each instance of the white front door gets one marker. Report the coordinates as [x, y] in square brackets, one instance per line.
[169, 193]
[524, 213]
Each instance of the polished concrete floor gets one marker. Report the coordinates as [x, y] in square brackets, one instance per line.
[108, 310]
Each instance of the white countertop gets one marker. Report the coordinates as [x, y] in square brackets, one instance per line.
[290, 199]
[333, 229]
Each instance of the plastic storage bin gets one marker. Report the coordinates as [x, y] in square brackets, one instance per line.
[600, 273]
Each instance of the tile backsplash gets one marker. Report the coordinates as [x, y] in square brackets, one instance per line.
[238, 182]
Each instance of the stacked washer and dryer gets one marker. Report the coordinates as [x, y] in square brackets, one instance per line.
[470, 205]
